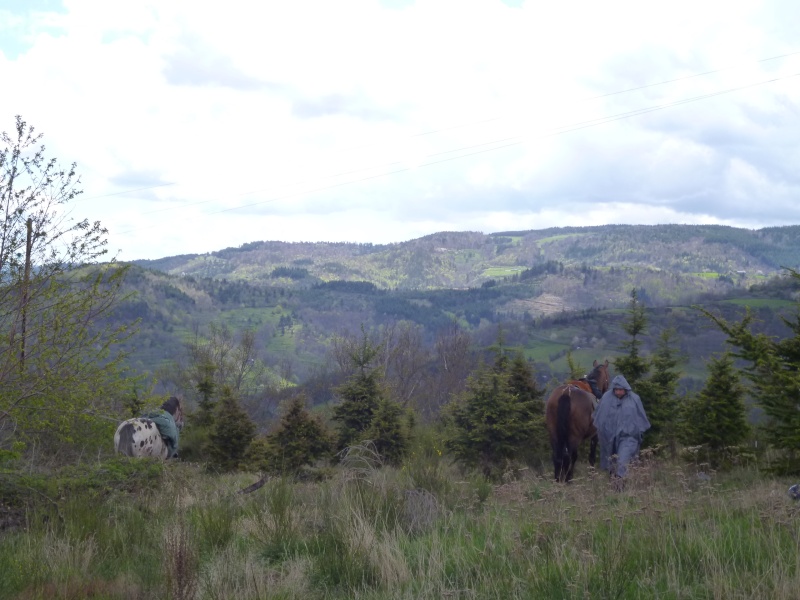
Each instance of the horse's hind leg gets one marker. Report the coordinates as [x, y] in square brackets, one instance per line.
[558, 465]
[593, 450]
[573, 458]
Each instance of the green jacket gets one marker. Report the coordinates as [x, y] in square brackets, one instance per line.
[166, 427]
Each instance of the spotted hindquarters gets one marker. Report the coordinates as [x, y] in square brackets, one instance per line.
[124, 439]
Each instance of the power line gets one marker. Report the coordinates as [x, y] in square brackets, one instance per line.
[441, 130]
[521, 139]
[504, 143]
[149, 187]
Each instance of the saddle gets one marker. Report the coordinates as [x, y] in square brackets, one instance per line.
[583, 384]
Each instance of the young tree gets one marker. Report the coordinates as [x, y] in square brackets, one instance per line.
[60, 368]
[215, 358]
[454, 362]
[633, 365]
[300, 440]
[774, 372]
[658, 393]
[717, 418]
[231, 433]
[499, 417]
[360, 395]
[575, 370]
[389, 432]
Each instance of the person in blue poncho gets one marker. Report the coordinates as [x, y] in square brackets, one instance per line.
[621, 421]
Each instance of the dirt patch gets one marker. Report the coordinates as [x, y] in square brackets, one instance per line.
[546, 304]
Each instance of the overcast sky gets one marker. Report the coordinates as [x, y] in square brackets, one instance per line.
[202, 125]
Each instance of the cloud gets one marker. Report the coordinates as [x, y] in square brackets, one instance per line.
[381, 121]
[197, 64]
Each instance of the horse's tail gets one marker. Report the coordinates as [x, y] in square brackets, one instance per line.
[562, 424]
[125, 441]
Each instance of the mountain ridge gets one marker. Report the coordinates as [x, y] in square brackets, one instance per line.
[458, 260]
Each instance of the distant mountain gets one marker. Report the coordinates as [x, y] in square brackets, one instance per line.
[552, 290]
[458, 260]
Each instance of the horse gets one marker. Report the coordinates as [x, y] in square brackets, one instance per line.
[141, 436]
[568, 412]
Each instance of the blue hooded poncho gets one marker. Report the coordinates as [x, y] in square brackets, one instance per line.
[620, 424]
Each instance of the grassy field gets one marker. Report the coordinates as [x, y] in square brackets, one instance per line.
[423, 530]
[501, 271]
[773, 303]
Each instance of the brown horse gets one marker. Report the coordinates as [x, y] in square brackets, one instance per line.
[569, 419]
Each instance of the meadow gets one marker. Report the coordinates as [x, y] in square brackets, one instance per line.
[136, 529]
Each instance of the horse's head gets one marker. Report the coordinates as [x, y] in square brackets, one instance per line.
[174, 407]
[599, 378]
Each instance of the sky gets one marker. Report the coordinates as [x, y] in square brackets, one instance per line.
[198, 126]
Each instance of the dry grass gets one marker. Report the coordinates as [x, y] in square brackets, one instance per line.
[369, 533]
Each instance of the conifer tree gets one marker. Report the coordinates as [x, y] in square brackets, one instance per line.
[716, 418]
[300, 440]
[206, 388]
[658, 393]
[231, 433]
[774, 371]
[499, 417]
[388, 431]
[360, 395]
[523, 383]
[633, 365]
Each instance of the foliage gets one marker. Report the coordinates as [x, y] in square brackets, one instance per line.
[389, 431]
[497, 419]
[773, 369]
[716, 417]
[575, 370]
[658, 392]
[231, 433]
[206, 387]
[633, 365]
[61, 368]
[300, 440]
[214, 357]
[21, 486]
[360, 395]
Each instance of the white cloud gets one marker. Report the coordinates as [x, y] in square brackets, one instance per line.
[345, 121]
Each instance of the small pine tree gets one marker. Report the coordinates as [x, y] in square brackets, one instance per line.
[206, 388]
[774, 370]
[301, 439]
[523, 383]
[231, 433]
[530, 397]
[388, 432]
[716, 418]
[658, 393]
[490, 425]
[633, 365]
[361, 395]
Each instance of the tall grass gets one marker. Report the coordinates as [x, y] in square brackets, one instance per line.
[421, 531]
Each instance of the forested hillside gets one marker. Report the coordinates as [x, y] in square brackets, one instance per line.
[468, 259]
[551, 291]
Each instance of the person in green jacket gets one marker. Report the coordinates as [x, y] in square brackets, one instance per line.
[169, 420]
